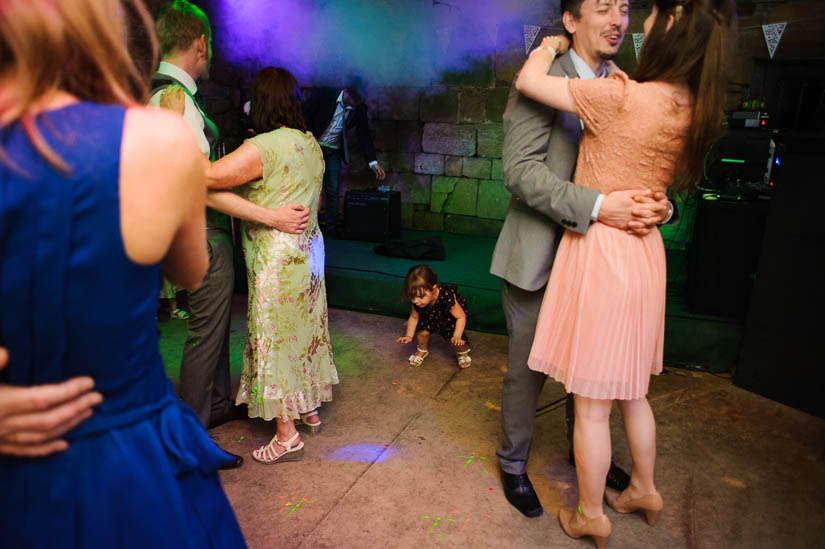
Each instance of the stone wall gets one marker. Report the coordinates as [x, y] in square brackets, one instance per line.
[441, 146]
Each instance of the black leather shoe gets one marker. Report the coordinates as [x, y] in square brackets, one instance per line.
[519, 492]
[617, 479]
[236, 462]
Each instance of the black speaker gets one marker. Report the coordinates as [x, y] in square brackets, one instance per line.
[373, 216]
[723, 254]
[781, 355]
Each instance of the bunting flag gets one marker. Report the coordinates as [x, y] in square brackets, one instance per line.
[530, 33]
[444, 37]
[773, 33]
[638, 40]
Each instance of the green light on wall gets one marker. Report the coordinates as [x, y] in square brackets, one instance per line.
[732, 161]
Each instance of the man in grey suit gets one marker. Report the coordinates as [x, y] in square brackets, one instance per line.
[539, 157]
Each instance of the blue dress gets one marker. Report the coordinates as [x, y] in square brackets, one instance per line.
[142, 471]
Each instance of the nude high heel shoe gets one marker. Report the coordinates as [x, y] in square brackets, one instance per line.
[577, 524]
[650, 505]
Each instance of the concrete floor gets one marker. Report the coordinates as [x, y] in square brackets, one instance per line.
[406, 458]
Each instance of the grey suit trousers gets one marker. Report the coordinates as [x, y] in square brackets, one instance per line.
[204, 370]
[522, 386]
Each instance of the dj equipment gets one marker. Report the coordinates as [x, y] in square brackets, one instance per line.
[740, 164]
[781, 356]
[723, 254]
[372, 215]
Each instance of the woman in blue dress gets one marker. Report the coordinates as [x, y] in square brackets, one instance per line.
[97, 196]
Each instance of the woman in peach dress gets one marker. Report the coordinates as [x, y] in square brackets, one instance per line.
[601, 325]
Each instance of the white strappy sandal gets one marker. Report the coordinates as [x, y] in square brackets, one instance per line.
[416, 360]
[464, 359]
[266, 454]
[313, 428]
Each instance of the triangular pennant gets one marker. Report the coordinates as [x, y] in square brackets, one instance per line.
[638, 40]
[444, 37]
[773, 33]
[530, 33]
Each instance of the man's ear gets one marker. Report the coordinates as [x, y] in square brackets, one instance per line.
[200, 43]
[569, 22]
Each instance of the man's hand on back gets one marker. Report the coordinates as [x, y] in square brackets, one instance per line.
[636, 211]
[290, 218]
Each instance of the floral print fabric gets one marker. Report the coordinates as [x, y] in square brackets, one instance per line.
[288, 367]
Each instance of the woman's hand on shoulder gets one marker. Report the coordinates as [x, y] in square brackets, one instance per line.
[173, 99]
[558, 43]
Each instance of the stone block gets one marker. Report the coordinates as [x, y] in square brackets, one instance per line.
[439, 104]
[453, 165]
[458, 140]
[397, 103]
[213, 90]
[477, 72]
[432, 164]
[496, 103]
[490, 139]
[428, 221]
[408, 136]
[383, 135]
[414, 188]
[357, 162]
[402, 162]
[495, 171]
[384, 159]
[478, 168]
[471, 105]
[493, 199]
[407, 213]
[217, 105]
[508, 63]
[465, 224]
[454, 195]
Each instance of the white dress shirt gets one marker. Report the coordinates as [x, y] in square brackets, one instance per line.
[192, 113]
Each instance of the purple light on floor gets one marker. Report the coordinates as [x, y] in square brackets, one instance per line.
[362, 453]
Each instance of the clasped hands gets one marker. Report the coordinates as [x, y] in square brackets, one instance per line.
[635, 211]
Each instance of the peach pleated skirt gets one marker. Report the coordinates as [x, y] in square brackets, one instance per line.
[601, 327]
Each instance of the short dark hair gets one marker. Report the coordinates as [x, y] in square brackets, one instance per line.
[355, 89]
[275, 101]
[179, 23]
[419, 279]
[575, 9]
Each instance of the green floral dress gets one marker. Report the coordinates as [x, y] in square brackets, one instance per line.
[287, 366]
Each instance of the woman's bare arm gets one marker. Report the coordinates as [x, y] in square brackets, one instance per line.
[534, 82]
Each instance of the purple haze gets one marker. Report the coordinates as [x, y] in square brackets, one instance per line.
[387, 42]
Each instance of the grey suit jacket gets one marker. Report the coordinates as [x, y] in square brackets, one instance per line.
[539, 155]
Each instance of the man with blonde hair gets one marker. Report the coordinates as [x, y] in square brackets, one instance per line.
[185, 40]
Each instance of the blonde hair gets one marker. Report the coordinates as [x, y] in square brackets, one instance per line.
[179, 24]
[75, 46]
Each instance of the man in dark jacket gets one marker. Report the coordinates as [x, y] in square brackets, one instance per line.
[329, 114]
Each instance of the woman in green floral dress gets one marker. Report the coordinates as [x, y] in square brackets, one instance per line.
[288, 369]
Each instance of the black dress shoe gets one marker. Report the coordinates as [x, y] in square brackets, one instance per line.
[519, 492]
[617, 479]
[236, 462]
